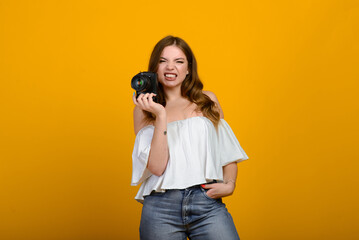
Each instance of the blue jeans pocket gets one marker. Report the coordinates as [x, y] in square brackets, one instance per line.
[204, 192]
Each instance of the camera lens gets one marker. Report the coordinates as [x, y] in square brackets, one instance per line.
[140, 83]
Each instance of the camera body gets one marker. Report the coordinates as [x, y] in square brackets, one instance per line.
[145, 82]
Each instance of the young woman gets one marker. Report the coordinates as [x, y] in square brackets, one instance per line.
[185, 153]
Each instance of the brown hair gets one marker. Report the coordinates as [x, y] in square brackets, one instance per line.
[191, 87]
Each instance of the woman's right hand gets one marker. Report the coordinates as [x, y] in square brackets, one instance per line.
[145, 102]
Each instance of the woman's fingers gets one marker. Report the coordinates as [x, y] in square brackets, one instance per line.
[139, 100]
[145, 101]
[150, 98]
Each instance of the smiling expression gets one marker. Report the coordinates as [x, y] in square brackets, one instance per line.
[172, 67]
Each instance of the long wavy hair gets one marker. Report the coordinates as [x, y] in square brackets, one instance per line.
[191, 86]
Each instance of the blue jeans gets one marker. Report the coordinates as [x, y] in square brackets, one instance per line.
[178, 214]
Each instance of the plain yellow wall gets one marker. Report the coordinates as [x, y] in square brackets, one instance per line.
[285, 72]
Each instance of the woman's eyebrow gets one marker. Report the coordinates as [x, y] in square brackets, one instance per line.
[175, 59]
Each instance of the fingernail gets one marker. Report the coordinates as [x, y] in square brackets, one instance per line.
[134, 93]
[203, 185]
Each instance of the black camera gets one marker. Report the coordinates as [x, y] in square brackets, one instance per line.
[145, 82]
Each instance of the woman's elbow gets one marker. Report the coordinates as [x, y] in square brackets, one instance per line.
[158, 174]
[157, 167]
[156, 170]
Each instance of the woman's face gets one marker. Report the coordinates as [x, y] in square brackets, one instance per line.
[172, 67]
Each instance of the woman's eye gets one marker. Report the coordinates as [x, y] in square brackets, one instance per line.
[180, 62]
[161, 61]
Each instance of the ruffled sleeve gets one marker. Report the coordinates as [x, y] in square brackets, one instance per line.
[230, 149]
[140, 155]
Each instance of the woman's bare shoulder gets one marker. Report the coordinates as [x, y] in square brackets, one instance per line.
[214, 98]
[139, 119]
[211, 95]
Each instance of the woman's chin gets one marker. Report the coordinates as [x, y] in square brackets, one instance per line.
[171, 84]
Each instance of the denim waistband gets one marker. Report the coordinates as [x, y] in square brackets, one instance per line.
[199, 185]
[188, 188]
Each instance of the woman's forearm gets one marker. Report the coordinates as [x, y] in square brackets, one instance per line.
[158, 157]
[230, 174]
[218, 190]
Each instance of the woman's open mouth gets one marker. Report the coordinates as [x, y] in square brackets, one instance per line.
[170, 76]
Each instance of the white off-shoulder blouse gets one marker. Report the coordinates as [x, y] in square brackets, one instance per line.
[197, 153]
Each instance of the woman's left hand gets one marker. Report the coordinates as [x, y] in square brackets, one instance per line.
[218, 190]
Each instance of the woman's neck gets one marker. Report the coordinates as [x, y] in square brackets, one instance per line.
[173, 94]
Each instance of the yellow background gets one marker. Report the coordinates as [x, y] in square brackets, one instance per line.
[285, 72]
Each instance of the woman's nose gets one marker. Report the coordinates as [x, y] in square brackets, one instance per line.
[170, 65]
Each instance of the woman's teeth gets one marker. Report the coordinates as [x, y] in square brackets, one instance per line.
[170, 75]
